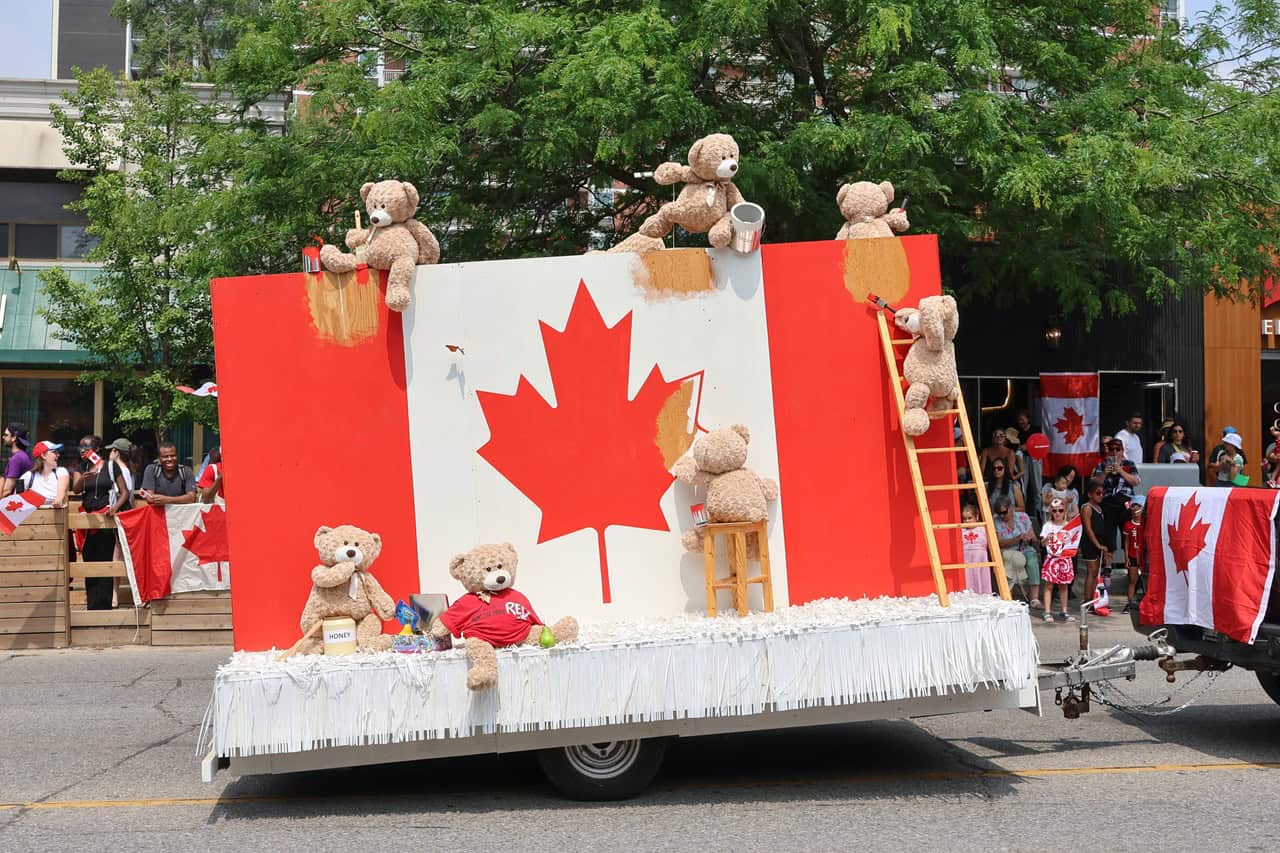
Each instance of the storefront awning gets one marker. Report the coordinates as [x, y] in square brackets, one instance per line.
[27, 338]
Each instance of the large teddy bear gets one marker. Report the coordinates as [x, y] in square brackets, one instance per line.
[492, 615]
[930, 365]
[394, 242]
[734, 492]
[342, 586]
[866, 211]
[704, 203]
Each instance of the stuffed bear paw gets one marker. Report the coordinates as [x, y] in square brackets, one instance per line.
[915, 422]
[335, 260]
[481, 677]
[398, 298]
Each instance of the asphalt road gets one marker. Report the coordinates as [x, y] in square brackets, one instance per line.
[97, 752]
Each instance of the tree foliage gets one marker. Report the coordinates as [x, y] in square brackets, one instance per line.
[145, 320]
[1080, 135]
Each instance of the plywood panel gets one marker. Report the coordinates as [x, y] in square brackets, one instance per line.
[102, 637]
[177, 606]
[122, 618]
[32, 593]
[47, 640]
[33, 624]
[191, 621]
[191, 638]
[24, 564]
[39, 577]
[1233, 374]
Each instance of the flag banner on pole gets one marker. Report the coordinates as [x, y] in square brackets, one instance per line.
[176, 548]
[15, 509]
[1211, 557]
[208, 389]
[1069, 408]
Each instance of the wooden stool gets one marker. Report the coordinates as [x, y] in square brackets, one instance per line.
[736, 534]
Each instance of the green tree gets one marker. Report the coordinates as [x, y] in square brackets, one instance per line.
[150, 193]
[1080, 135]
[183, 37]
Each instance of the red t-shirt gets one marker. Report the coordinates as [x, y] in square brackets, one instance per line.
[504, 621]
[1133, 539]
[208, 475]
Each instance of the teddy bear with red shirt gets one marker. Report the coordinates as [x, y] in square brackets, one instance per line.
[492, 615]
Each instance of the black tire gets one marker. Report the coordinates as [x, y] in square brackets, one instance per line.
[610, 770]
[1271, 683]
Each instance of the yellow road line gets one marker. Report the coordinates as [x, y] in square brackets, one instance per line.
[923, 776]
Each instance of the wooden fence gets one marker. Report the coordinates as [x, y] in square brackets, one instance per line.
[42, 598]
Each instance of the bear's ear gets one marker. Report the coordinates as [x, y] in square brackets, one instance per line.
[455, 564]
[887, 189]
[511, 552]
[320, 534]
[931, 322]
[950, 317]
[695, 152]
[844, 191]
[365, 189]
[410, 192]
[377, 545]
[742, 431]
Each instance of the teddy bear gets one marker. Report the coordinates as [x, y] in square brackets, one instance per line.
[734, 492]
[866, 211]
[394, 241]
[704, 203]
[493, 615]
[930, 364]
[343, 586]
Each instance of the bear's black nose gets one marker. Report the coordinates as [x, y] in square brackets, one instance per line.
[351, 553]
[733, 167]
[501, 578]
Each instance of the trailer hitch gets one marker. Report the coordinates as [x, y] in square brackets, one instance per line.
[1199, 663]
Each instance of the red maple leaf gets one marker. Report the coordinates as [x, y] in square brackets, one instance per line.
[1071, 425]
[593, 459]
[209, 543]
[14, 506]
[1187, 536]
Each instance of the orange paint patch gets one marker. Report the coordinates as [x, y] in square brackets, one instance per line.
[675, 429]
[876, 265]
[343, 311]
[674, 273]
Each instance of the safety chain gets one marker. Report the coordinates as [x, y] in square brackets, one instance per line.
[1121, 701]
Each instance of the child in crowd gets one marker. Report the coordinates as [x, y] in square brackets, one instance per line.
[1095, 533]
[1133, 550]
[1059, 558]
[975, 551]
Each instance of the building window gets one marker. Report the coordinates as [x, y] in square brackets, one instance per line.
[58, 410]
[4, 239]
[35, 241]
[28, 55]
[74, 241]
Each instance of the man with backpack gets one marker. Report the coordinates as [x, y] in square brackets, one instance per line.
[166, 482]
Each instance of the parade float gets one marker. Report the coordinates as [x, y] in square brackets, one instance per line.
[695, 452]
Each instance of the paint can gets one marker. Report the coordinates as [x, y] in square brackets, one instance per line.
[339, 636]
[747, 220]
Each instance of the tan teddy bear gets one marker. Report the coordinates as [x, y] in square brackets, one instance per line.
[930, 365]
[492, 615]
[704, 203]
[866, 211]
[342, 586]
[734, 492]
[394, 241]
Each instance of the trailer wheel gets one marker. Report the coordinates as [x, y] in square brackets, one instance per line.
[1271, 683]
[609, 770]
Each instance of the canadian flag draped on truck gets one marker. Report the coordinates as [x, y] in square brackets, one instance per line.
[1211, 555]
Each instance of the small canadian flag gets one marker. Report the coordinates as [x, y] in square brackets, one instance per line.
[15, 509]
[699, 512]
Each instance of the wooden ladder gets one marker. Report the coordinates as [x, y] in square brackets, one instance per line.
[888, 342]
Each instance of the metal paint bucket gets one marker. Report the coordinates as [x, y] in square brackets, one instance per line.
[339, 636]
[747, 220]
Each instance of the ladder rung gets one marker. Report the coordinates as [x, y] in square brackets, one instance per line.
[960, 449]
[987, 565]
[898, 342]
[961, 524]
[937, 412]
[951, 487]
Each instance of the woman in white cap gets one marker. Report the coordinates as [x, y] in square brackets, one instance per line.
[1229, 463]
[45, 477]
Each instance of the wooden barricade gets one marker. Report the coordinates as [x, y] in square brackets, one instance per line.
[33, 583]
[182, 619]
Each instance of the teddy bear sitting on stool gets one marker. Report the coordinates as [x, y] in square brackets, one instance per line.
[734, 492]
[395, 241]
[704, 203]
[492, 615]
[342, 586]
[930, 364]
[866, 211]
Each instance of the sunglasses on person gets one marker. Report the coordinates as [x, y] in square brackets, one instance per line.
[1057, 511]
[997, 468]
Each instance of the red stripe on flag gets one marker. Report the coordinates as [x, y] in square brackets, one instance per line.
[1151, 612]
[6, 526]
[1084, 463]
[1243, 563]
[1068, 384]
[148, 536]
